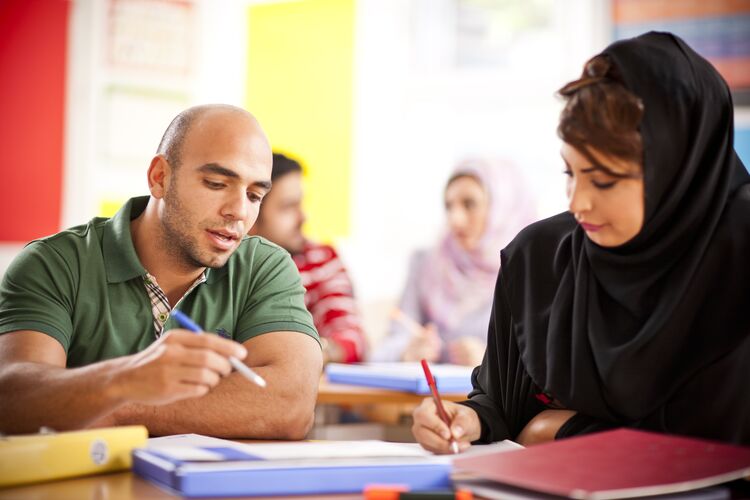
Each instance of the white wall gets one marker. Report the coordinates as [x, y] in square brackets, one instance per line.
[414, 120]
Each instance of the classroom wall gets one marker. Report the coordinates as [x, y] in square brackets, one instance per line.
[32, 91]
[299, 85]
[419, 101]
[421, 108]
[413, 113]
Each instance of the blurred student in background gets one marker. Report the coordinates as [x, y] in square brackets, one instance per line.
[445, 307]
[329, 296]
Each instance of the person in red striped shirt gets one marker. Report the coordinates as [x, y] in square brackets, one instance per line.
[329, 296]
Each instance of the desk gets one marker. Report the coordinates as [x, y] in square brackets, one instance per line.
[126, 485]
[115, 486]
[386, 413]
[342, 394]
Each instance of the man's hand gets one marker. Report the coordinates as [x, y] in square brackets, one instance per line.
[543, 427]
[179, 365]
[432, 433]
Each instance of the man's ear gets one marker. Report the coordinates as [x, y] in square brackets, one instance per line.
[158, 175]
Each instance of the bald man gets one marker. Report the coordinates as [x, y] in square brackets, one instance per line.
[86, 336]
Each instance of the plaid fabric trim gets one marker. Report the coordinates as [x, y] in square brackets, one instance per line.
[160, 307]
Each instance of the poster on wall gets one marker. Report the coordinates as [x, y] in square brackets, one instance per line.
[719, 30]
[152, 35]
[133, 119]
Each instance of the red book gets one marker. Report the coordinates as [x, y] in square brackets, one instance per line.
[613, 464]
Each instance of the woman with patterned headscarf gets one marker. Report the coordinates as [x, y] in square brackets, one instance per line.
[445, 307]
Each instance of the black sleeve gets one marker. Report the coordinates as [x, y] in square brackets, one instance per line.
[503, 394]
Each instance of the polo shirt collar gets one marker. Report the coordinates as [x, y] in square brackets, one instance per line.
[121, 261]
[216, 273]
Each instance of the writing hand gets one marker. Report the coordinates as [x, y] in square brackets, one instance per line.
[179, 365]
[432, 433]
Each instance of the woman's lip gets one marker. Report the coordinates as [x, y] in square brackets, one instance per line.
[591, 228]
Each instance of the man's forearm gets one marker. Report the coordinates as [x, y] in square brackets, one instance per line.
[236, 408]
[33, 395]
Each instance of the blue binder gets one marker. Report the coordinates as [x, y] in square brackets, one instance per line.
[242, 474]
[408, 377]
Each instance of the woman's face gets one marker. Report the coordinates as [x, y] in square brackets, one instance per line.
[467, 205]
[608, 207]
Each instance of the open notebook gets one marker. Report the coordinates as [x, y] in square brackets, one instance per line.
[201, 466]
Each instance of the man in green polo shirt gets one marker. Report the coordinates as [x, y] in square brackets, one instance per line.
[86, 336]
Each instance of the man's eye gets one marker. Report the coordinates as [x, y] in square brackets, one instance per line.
[568, 172]
[255, 198]
[213, 185]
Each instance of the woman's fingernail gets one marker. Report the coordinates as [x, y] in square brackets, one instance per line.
[458, 431]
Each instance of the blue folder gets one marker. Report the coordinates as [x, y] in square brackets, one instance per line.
[246, 475]
[408, 377]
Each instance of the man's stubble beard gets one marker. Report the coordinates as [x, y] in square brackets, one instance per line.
[177, 241]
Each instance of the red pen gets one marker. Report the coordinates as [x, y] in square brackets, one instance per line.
[440, 408]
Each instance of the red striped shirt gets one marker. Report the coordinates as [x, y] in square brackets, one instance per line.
[330, 299]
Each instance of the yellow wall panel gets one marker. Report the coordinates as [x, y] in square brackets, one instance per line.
[300, 87]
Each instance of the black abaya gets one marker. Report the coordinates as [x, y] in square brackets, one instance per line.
[653, 334]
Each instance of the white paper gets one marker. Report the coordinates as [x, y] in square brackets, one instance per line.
[292, 450]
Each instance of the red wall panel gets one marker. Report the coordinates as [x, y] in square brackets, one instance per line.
[33, 42]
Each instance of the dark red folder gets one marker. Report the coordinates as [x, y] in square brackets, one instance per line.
[613, 464]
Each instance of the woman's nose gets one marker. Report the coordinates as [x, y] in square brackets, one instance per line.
[579, 198]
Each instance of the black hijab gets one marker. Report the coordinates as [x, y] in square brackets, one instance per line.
[615, 332]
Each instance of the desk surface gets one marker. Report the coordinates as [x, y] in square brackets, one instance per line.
[115, 486]
[126, 485]
[330, 393]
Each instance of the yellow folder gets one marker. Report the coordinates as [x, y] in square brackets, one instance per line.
[41, 457]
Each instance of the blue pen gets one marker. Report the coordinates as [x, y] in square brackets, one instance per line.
[238, 365]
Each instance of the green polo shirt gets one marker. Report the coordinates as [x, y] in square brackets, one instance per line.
[84, 287]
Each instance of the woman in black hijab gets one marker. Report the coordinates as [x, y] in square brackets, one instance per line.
[633, 308]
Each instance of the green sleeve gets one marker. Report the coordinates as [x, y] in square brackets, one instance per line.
[37, 293]
[276, 299]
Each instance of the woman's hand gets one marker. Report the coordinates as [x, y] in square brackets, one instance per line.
[425, 344]
[432, 433]
[543, 427]
[467, 351]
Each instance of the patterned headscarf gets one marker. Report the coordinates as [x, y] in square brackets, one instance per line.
[458, 282]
